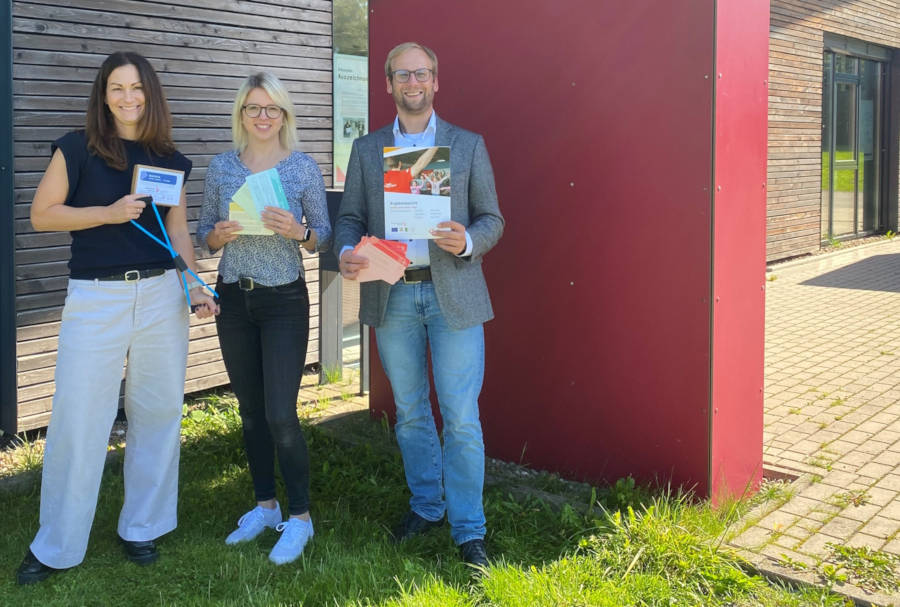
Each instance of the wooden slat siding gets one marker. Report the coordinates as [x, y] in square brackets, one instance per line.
[795, 109]
[202, 51]
[55, 75]
[83, 62]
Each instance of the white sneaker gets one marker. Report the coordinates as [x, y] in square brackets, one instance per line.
[252, 524]
[295, 533]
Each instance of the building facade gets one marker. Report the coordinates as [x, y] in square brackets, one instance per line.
[833, 135]
[202, 50]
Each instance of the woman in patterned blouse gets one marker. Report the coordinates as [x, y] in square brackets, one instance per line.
[264, 322]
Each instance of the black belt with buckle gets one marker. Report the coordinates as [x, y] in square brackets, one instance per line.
[417, 275]
[135, 275]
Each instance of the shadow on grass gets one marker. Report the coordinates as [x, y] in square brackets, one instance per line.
[358, 492]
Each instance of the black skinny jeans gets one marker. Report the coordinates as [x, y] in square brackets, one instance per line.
[263, 334]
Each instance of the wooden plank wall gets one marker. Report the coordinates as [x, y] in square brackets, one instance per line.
[795, 108]
[202, 50]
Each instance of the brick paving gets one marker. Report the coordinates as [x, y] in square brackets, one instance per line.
[832, 410]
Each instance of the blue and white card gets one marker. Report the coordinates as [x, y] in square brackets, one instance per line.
[164, 185]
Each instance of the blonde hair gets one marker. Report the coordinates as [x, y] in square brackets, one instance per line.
[274, 89]
[400, 48]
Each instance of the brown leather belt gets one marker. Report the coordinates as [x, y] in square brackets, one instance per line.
[417, 275]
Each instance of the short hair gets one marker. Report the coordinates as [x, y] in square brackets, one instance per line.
[400, 48]
[279, 94]
[154, 129]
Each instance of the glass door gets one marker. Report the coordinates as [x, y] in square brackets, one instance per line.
[851, 146]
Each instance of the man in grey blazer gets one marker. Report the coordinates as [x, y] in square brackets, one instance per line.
[441, 303]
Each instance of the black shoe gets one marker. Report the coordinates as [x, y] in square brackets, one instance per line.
[142, 553]
[32, 571]
[412, 525]
[474, 553]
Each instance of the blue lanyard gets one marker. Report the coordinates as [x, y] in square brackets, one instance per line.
[180, 263]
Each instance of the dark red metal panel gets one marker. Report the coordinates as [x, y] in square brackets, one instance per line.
[739, 211]
[598, 118]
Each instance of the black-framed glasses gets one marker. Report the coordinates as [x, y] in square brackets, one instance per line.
[253, 110]
[423, 74]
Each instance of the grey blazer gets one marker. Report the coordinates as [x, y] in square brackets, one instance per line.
[458, 281]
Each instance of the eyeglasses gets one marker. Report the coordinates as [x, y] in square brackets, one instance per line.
[253, 111]
[423, 74]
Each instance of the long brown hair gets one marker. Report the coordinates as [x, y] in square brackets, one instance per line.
[154, 127]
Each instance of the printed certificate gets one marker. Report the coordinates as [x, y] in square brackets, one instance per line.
[416, 191]
[164, 185]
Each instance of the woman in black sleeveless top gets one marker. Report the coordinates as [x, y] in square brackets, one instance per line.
[124, 300]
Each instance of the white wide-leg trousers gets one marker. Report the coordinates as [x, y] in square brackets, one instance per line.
[103, 323]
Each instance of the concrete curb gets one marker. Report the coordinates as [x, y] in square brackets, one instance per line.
[828, 261]
[771, 570]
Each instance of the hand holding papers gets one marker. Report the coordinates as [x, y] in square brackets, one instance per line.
[387, 259]
[164, 185]
[247, 204]
[416, 191]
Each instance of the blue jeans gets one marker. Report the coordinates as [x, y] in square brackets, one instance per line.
[452, 479]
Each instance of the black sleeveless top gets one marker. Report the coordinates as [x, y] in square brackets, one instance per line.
[112, 248]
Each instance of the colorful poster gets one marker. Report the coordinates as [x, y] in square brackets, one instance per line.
[416, 191]
[351, 108]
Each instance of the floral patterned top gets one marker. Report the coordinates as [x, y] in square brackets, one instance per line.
[268, 260]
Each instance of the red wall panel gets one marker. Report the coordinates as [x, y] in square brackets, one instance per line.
[742, 51]
[598, 118]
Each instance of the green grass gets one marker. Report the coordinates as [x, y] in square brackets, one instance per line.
[845, 179]
[27, 455]
[332, 375]
[628, 546]
[871, 569]
[857, 498]
[773, 491]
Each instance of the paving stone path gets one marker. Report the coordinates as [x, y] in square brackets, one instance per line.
[832, 408]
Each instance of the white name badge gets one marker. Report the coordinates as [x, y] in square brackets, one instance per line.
[164, 185]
